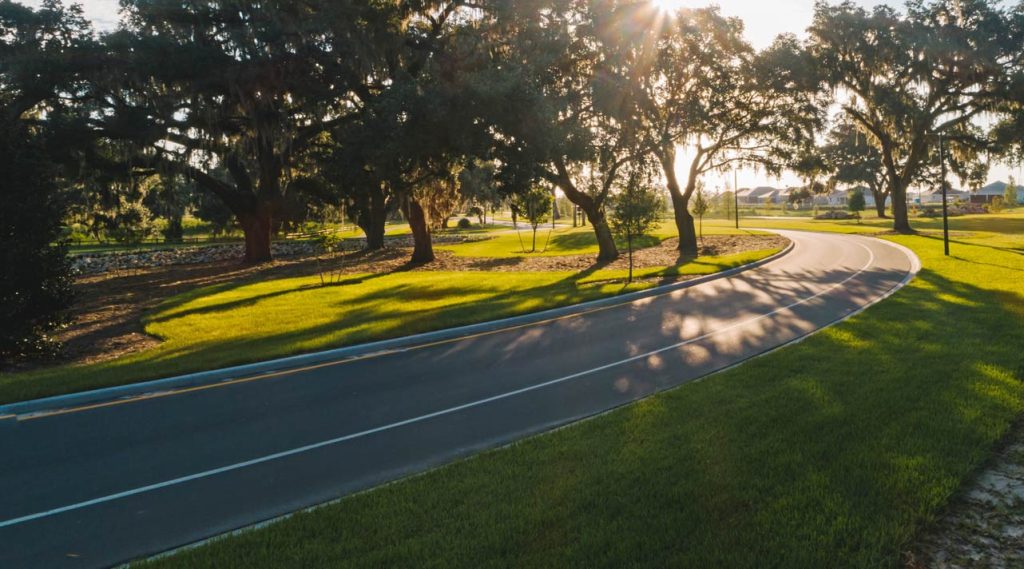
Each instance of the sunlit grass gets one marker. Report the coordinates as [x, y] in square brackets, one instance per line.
[833, 452]
[563, 241]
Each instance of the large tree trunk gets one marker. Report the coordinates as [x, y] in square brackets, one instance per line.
[175, 232]
[372, 211]
[684, 225]
[900, 214]
[257, 227]
[880, 197]
[607, 251]
[423, 248]
[680, 203]
[373, 224]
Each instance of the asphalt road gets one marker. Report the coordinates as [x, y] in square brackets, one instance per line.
[98, 486]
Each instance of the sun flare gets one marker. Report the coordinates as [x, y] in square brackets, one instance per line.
[671, 6]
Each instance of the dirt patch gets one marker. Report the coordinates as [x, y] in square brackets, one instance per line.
[106, 319]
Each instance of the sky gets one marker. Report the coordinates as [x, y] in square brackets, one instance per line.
[764, 20]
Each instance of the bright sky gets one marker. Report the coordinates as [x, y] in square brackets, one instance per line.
[764, 19]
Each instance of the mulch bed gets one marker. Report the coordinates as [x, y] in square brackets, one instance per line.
[106, 319]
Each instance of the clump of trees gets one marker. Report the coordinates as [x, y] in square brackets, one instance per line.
[906, 78]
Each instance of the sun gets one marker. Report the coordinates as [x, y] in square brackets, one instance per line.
[670, 6]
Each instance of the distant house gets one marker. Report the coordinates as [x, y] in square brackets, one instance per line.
[934, 196]
[756, 196]
[782, 196]
[835, 198]
[994, 190]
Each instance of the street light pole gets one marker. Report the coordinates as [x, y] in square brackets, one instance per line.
[945, 200]
[736, 196]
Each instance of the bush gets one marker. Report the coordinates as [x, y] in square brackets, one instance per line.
[35, 283]
[857, 202]
[465, 223]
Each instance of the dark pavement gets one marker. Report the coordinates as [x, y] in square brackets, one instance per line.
[99, 486]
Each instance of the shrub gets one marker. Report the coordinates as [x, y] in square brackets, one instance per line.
[35, 283]
[857, 202]
[465, 223]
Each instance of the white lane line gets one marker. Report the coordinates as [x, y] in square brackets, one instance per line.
[421, 418]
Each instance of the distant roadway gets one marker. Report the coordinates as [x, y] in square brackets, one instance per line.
[97, 485]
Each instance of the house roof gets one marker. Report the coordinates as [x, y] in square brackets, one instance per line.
[762, 191]
[993, 189]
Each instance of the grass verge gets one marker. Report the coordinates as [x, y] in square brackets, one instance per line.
[235, 323]
[569, 240]
[832, 452]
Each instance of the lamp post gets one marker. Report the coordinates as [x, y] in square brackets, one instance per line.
[736, 195]
[945, 200]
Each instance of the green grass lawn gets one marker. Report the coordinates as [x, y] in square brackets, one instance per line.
[236, 323]
[986, 226]
[832, 452]
[507, 242]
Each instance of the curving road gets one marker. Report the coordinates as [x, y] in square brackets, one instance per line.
[98, 485]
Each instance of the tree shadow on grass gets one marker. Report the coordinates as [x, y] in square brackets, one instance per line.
[585, 240]
[975, 244]
[169, 310]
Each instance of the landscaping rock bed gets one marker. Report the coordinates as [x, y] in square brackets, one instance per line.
[984, 527]
[100, 263]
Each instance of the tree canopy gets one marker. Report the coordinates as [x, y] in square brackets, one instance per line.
[271, 108]
[905, 78]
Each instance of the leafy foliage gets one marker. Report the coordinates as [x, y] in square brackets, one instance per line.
[35, 283]
[535, 207]
[1010, 194]
[635, 210]
[701, 205]
[856, 202]
[906, 78]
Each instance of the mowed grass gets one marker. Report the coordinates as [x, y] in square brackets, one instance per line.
[988, 226]
[563, 241]
[236, 323]
[833, 452]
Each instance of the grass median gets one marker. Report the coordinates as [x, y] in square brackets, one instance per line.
[242, 322]
[831, 452]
